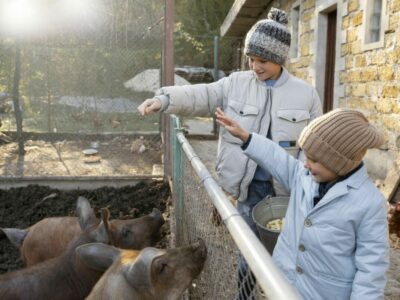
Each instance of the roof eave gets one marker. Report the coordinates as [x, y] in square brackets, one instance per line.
[242, 15]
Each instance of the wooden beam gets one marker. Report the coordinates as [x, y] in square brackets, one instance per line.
[232, 14]
[247, 9]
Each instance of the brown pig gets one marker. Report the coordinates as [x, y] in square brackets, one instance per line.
[49, 237]
[63, 277]
[150, 274]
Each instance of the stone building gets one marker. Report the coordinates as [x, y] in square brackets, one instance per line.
[350, 51]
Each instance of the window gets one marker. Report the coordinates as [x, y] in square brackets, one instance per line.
[294, 49]
[375, 23]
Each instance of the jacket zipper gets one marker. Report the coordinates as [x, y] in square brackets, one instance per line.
[269, 98]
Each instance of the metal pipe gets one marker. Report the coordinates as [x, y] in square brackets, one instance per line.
[269, 277]
[216, 58]
[216, 76]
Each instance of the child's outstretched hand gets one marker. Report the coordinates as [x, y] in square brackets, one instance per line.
[149, 106]
[232, 126]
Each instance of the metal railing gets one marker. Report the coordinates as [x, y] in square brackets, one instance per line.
[196, 193]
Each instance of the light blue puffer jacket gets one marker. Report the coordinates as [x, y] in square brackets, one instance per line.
[337, 249]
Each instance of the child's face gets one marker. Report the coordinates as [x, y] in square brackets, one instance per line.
[264, 69]
[318, 171]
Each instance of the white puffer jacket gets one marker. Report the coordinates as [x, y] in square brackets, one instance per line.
[288, 106]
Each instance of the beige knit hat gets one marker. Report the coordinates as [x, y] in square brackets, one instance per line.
[339, 139]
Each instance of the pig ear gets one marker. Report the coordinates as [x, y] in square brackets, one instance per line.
[15, 235]
[97, 256]
[160, 266]
[139, 273]
[102, 232]
[85, 213]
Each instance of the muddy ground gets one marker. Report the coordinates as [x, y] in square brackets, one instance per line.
[22, 207]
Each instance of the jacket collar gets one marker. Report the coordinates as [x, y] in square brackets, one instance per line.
[283, 78]
[358, 178]
[338, 190]
[285, 75]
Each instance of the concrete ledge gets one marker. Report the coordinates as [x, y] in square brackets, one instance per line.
[76, 183]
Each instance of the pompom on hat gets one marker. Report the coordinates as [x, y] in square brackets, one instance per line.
[339, 139]
[269, 38]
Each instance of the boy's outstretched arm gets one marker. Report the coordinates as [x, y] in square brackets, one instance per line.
[232, 126]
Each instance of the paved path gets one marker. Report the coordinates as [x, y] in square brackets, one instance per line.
[206, 149]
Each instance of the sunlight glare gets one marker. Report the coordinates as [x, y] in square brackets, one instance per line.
[77, 13]
[31, 17]
[20, 16]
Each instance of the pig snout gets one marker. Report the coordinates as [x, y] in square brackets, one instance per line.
[200, 247]
[157, 216]
[198, 256]
[138, 233]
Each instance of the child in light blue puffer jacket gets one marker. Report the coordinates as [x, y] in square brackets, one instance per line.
[334, 244]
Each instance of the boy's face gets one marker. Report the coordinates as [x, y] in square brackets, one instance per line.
[318, 171]
[264, 69]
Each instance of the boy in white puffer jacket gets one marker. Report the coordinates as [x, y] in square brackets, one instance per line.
[267, 100]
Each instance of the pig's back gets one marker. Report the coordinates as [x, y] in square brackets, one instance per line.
[49, 238]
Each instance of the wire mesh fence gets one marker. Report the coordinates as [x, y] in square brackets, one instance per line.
[201, 211]
[195, 220]
[208, 54]
[221, 277]
[77, 89]
[77, 80]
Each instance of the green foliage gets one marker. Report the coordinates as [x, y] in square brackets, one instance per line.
[6, 64]
[197, 22]
[202, 17]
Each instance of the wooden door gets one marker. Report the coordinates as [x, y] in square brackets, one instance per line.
[330, 62]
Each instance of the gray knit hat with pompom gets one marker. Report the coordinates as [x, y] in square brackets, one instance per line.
[269, 38]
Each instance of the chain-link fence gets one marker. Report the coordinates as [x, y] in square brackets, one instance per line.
[203, 59]
[77, 81]
[194, 217]
[201, 210]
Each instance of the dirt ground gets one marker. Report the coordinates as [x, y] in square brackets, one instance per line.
[22, 207]
[116, 156]
[55, 155]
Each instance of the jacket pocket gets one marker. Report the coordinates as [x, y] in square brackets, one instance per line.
[294, 116]
[245, 114]
[290, 123]
[335, 280]
[329, 287]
